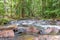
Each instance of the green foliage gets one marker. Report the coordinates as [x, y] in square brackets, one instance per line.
[3, 21]
[30, 8]
[2, 9]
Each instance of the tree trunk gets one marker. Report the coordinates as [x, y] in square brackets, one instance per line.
[5, 6]
[23, 9]
[23, 15]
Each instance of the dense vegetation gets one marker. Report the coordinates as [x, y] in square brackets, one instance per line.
[17, 9]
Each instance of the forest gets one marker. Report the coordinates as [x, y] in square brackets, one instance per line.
[29, 9]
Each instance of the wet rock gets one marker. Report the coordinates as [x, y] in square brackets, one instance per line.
[49, 30]
[21, 30]
[58, 23]
[32, 29]
[6, 33]
[55, 31]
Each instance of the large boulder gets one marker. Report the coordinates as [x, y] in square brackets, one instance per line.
[6, 33]
[32, 29]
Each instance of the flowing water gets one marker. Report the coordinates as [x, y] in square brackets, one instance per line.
[37, 23]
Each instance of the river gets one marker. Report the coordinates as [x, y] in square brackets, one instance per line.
[36, 23]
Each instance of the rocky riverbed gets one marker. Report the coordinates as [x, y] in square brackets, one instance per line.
[40, 24]
[30, 37]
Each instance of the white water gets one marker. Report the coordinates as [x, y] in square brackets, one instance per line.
[41, 23]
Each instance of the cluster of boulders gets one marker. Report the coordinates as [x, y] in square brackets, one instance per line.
[42, 34]
[34, 30]
[7, 31]
[13, 29]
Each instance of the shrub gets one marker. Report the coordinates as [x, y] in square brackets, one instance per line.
[3, 21]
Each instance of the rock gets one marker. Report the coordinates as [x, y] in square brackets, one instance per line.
[8, 27]
[54, 31]
[32, 29]
[21, 30]
[50, 30]
[6, 33]
[12, 26]
[36, 38]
